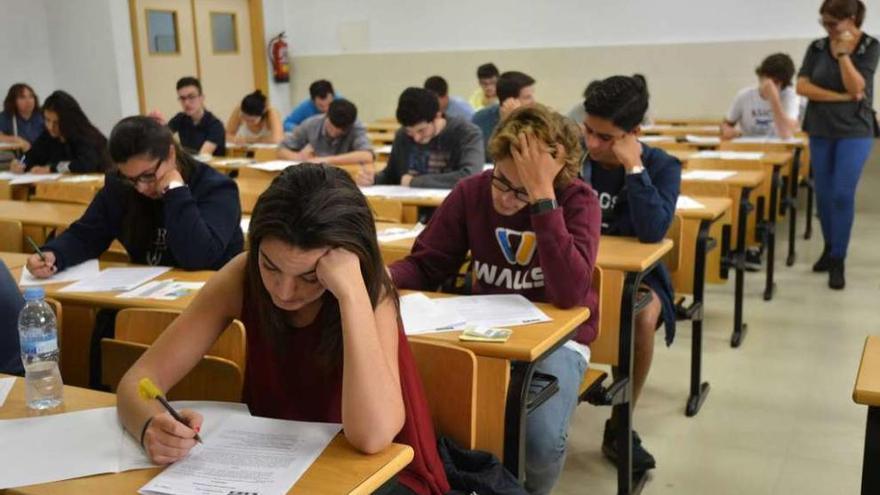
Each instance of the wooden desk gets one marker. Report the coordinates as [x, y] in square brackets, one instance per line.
[381, 138]
[380, 126]
[41, 214]
[867, 393]
[69, 192]
[696, 244]
[339, 469]
[682, 130]
[741, 184]
[14, 260]
[689, 122]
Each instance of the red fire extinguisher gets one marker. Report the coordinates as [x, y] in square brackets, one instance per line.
[278, 56]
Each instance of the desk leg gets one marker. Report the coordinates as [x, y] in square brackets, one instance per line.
[776, 182]
[628, 482]
[811, 192]
[739, 263]
[870, 473]
[699, 389]
[792, 202]
[515, 418]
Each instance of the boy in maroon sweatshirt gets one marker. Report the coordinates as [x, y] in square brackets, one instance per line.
[532, 228]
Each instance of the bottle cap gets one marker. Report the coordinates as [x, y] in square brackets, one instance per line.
[34, 293]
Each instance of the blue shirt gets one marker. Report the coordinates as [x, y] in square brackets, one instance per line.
[304, 110]
[487, 119]
[29, 129]
[459, 108]
[193, 136]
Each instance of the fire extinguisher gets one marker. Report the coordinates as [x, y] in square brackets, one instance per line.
[278, 56]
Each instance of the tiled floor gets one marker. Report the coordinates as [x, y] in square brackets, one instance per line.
[780, 417]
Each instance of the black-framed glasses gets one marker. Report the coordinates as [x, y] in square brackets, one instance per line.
[503, 185]
[183, 98]
[145, 178]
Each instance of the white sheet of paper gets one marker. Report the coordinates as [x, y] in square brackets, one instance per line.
[32, 178]
[769, 140]
[403, 192]
[274, 165]
[495, 310]
[707, 174]
[131, 456]
[163, 290]
[84, 270]
[702, 139]
[81, 178]
[263, 146]
[656, 139]
[421, 314]
[398, 233]
[59, 447]
[687, 203]
[232, 162]
[246, 455]
[384, 150]
[245, 224]
[114, 279]
[5, 387]
[729, 155]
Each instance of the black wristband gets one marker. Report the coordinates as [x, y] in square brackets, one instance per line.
[542, 205]
[144, 430]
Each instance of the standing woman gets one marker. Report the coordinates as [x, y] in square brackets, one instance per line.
[837, 77]
[21, 121]
[69, 143]
[254, 121]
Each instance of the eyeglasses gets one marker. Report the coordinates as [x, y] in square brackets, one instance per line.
[503, 185]
[183, 98]
[144, 178]
[828, 24]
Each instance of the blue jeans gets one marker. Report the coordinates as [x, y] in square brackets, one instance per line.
[547, 426]
[837, 165]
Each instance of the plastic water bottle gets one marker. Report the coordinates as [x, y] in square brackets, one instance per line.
[38, 335]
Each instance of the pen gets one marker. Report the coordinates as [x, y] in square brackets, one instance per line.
[36, 248]
[148, 390]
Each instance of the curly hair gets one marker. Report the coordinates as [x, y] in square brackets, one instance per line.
[779, 67]
[548, 126]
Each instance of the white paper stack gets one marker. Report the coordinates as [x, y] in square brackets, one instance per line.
[114, 279]
[729, 155]
[422, 314]
[707, 174]
[403, 192]
[706, 140]
[273, 165]
[688, 203]
[84, 270]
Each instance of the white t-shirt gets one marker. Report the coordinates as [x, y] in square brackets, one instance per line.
[755, 115]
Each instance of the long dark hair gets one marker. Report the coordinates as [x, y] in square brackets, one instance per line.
[313, 206]
[9, 106]
[143, 136]
[72, 121]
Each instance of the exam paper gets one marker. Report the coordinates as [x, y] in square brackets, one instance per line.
[398, 233]
[114, 279]
[656, 139]
[245, 224]
[81, 178]
[262, 146]
[707, 174]
[702, 139]
[84, 270]
[274, 165]
[246, 455]
[687, 203]
[403, 192]
[232, 162]
[384, 150]
[5, 387]
[421, 314]
[163, 290]
[27, 178]
[495, 310]
[729, 155]
[769, 140]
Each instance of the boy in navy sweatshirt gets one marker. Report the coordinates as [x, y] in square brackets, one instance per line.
[638, 188]
[532, 228]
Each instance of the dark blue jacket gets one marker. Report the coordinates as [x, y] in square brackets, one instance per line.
[645, 208]
[194, 228]
[11, 303]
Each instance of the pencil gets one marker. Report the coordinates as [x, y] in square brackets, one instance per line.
[148, 390]
[36, 248]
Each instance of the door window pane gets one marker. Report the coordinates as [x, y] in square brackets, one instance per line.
[162, 31]
[223, 33]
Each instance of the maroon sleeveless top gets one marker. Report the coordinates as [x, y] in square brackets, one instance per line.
[290, 383]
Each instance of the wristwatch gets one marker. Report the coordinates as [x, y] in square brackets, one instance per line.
[635, 170]
[174, 185]
[542, 205]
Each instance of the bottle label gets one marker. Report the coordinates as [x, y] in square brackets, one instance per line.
[44, 346]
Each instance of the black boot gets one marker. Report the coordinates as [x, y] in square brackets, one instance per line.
[836, 279]
[824, 262]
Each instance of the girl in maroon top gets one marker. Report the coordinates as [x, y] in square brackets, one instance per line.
[323, 332]
[532, 228]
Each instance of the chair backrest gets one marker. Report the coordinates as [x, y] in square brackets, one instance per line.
[11, 237]
[449, 377]
[386, 210]
[605, 349]
[765, 147]
[61, 192]
[218, 376]
[705, 188]
[672, 259]
[265, 154]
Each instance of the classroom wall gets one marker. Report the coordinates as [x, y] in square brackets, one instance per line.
[696, 55]
[24, 47]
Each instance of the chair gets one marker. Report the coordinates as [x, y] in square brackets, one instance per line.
[603, 350]
[265, 154]
[386, 210]
[449, 377]
[11, 236]
[218, 376]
